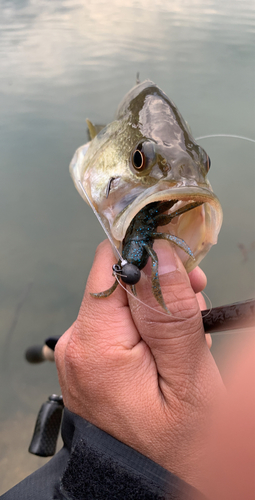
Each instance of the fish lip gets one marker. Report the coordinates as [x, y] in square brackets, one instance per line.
[174, 192]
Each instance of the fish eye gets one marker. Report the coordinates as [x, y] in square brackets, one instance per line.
[138, 159]
[208, 163]
[204, 159]
[144, 156]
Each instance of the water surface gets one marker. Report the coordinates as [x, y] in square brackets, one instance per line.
[61, 62]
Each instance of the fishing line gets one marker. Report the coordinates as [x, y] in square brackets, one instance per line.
[141, 302]
[123, 262]
[216, 334]
[153, 308]
[210, 304]
[230, 136]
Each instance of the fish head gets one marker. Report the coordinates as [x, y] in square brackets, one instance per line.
[148, 154]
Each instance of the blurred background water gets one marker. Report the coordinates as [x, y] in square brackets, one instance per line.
[61, 62]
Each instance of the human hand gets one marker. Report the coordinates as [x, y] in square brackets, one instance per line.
[144, 377]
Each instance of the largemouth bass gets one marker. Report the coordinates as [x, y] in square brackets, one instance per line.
[146, 163]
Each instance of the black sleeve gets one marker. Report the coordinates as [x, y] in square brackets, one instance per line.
[93, 465]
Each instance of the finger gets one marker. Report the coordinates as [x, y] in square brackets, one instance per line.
[198, 279]
[105, 321]
[201, 302]
[198, 282]
[203, 307]
[59, 354]
[177, 342]
[59, 351]
[208, 339]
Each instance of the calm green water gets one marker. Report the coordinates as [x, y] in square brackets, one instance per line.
[63, 61]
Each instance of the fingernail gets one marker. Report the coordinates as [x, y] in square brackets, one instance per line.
[166, 257]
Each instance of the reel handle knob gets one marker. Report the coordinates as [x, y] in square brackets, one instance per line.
[47, 427]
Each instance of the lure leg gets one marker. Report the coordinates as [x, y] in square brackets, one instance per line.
[156, 289]
[133, 290]
[106, 293]
[162, 220]
[177, 241]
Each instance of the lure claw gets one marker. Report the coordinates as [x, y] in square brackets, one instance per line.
[106, 293]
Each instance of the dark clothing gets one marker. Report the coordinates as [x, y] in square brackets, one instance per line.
[92, 465]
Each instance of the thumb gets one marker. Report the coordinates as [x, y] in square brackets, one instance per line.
[177, 341]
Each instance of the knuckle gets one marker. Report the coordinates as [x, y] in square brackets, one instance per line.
[59, 350]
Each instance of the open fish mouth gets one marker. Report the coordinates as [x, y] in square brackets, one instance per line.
[199, 227]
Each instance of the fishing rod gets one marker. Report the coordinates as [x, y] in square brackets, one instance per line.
[236, 316]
